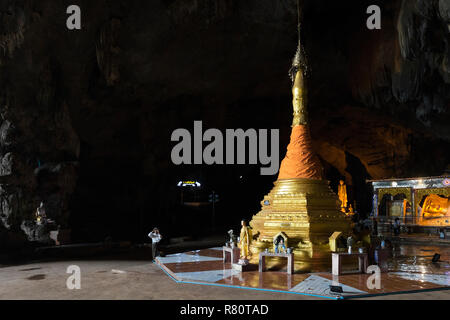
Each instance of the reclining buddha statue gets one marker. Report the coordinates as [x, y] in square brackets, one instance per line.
[435, 206]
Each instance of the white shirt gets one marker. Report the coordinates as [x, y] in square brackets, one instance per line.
[156, 237]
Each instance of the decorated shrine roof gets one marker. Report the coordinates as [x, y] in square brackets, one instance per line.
[415, 183]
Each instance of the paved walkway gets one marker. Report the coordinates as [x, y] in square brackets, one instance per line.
[140, 280]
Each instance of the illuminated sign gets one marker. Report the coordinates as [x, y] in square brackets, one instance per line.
[195, 184]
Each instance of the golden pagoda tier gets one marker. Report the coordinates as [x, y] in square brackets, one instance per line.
[301, 203]
[308, 212]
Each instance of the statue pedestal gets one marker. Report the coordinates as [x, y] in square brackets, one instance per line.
[232, 252]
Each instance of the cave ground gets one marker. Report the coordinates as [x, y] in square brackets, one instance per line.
[132, 280]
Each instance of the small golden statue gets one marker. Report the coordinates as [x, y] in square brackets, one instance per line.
[342, 194]
[350, 211]
[245, 240]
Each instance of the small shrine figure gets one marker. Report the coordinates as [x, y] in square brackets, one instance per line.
[342, 194]
[279, 243]
[350, 243]
[40, 214]
[245, 240]
[350, 211]
[233, 238]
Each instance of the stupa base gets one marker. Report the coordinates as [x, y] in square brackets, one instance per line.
[307, 211]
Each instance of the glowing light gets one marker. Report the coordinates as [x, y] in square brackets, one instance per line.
[420, 184]
[394, 184]
[423, 270]
[189, 184]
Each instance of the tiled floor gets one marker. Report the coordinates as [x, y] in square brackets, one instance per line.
[409, 270]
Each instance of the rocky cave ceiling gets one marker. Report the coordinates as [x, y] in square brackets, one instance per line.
[87, 112]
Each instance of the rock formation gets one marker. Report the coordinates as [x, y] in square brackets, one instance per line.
[95, 107]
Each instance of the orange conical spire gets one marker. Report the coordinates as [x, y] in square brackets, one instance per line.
[300, 160]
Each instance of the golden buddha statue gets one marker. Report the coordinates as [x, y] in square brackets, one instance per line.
[435, 206]
[342, 194]
[350, 210]
[245, 240]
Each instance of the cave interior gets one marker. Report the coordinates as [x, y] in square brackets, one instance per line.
[87, 115]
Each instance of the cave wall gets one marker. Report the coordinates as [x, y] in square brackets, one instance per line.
[87, 115]
[398, 80]
[38, 145]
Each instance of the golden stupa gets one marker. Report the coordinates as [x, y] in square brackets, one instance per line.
[301, 203]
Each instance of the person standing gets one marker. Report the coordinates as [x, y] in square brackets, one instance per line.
[397, 226]
[156, 238]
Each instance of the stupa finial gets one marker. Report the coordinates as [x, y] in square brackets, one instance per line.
[299, 63]
[297, 72]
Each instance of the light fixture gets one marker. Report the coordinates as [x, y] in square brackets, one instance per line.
[420, 184]
[190, 183]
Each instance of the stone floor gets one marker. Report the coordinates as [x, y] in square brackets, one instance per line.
[141, 279]
[410, 269]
